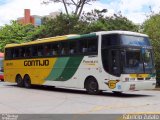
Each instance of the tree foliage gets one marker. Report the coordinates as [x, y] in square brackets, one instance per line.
[64, 24]
[97, 21]
[152, 27]
[17, 33]
[77, 4]
[88, 22]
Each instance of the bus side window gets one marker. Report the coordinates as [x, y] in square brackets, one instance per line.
[34, 51]
[13, 53]
[39, 50]
[21, 52]
[28, 52]
[54, 49]
[64, 48]
[9, 53]
[83, 46]
[73, 47]
[93, 45]
[47, 50]
[110, 40]
[16, 53]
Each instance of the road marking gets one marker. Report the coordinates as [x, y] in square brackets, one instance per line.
[109, 107]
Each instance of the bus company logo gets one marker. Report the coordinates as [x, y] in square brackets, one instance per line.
[36, 63]
[91, 62]
[112, 83]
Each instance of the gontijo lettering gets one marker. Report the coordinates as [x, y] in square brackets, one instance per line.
[36, 63]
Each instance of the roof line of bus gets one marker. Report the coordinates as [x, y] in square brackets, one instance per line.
[74, 36]
[52, 39]
[120, 32]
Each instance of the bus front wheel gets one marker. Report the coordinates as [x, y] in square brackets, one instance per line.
[19, 81]
[27, 81]
[91, 86]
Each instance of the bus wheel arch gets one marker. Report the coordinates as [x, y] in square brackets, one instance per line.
[19, 80]
[27, 81]
[91, 85]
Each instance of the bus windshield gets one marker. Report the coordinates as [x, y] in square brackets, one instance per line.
[138, 61]
[133, 62]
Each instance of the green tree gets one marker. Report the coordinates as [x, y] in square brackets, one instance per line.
[89, 22]
[16, 33]
[152, 28]
[62, 25]
[77, 4]
[97, 21]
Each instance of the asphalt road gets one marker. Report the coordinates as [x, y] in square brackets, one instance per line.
[48, 100]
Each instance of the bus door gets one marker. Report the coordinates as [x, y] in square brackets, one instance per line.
[114, 62]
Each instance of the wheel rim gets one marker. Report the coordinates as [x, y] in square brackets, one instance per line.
[92, 87]
[27, 82]
[19, 81]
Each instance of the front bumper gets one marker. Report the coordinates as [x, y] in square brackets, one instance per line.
[138, 85]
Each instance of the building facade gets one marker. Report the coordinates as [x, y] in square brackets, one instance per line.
[35, 19]
[30, 19]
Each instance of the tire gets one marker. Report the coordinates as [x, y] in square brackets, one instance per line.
[19, 81]
[158, 84]
[27, 81]
[91, 86]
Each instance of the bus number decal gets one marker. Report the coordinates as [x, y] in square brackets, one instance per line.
[9, 64]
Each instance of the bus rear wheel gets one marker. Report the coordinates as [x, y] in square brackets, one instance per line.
[91, 86]
[27, 81]
[19, 81]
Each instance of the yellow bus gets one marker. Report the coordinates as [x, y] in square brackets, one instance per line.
[116, 61]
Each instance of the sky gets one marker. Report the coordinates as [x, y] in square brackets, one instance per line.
[134, 10]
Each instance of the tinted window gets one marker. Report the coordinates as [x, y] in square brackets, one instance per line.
[88, 45]
[34, 51]
[47, 50]
[21, 52]
[92, 45]
[84, 46]
[110, 40]
[55, 49]
[134, 40]
[9, 53]
[73, 47]
[28, 52]
[40, 50]
[64, 48]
